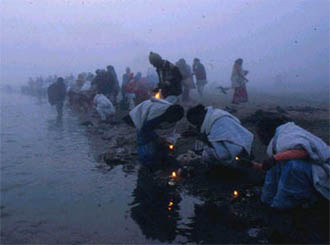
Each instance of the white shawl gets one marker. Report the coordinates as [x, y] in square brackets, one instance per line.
[211, 116]
[231, 132]
[148, 110]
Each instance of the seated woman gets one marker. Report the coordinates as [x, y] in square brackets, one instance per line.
[147, 117]
[298, 165]
[223, 134]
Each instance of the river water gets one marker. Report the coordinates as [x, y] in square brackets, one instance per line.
[52, 192]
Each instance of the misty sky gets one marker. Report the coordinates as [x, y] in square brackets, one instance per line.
[287, 37]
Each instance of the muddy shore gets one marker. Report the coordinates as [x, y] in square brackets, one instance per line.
[221, 217]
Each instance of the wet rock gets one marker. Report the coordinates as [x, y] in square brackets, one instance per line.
[253, 232]
[87, 123]
[188, 157]
[107, 136]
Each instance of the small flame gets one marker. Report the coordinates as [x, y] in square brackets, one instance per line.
[171, 147]
[173, 174]
[157, 95]
[236, 158]
[170, 204]
[235, 193]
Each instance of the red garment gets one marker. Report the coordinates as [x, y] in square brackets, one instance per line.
[240, 95]
[291, 155]
[142, 90]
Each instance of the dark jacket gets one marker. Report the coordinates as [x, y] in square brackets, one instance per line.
[171, 73]
[199, 71]
[56, 93]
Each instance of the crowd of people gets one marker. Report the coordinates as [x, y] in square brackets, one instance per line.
[298, 164]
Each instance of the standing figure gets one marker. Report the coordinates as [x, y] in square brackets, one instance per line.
[126, 78]
[239, 80]
[114, 83]
[200, 74]
[187, 79]
[170, 78]
[56, 95]
[130, 90]
[298, 167]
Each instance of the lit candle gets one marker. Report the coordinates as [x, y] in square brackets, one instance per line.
[171, 147]
[235, 193]
[236, 158]
[173, 174]
[157, 95]
[170, 204]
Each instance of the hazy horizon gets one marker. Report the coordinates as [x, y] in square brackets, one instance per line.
[290, 38]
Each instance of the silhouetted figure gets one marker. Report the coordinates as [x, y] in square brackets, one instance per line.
[200, 74]
[56, 95]
[170, 78]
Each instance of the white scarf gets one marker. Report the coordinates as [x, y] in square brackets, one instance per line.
[211, 116]
[148, 110]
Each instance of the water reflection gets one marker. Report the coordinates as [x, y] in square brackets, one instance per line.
[155, 207]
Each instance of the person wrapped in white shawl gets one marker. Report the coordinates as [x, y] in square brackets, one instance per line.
[298, 179]
[223, 134]
[148, 118]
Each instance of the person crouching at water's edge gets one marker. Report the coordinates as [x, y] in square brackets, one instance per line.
[147, 117]
[298, 168]
[222, 133]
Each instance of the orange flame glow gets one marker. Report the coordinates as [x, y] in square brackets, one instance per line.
[170, 204]
[171, 147]
[157, 95]
[173, 174]
[235, 193]
[236, 158]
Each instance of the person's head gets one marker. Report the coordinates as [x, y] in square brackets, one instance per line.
[266, 127]
[138, 76]
[174, 113]
[196, 60]
[110, 68]
[155, 59]
[60, 80]
[196, 115]
[98, 71]
[239, 61]
[128, 70]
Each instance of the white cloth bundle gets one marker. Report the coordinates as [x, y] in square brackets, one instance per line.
[103, 106]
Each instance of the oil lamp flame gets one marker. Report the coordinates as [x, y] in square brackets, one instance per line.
[235, 193]
[171, 147]
[157, 95]
[170, 204]
[173, 174]
[236, 158]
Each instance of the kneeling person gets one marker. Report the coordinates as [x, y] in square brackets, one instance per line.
[298, 167]
[222, 133]
[149, 117]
